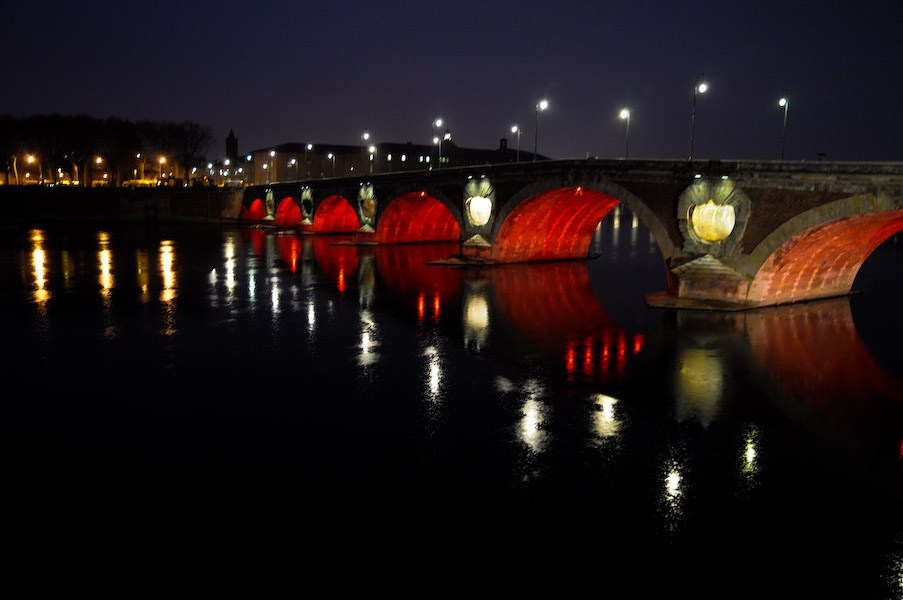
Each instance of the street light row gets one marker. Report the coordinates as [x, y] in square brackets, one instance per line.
[700, 88]
[542, 104]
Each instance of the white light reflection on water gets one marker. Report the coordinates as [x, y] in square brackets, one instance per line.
[531, 424]
[105, 265]
[476, 318]
[169, 292]
[368, 356]
[672, 494]
[230, 267]
[311, 317]
[39, 269]
[433, 373]
[606, 423]
[749, 458]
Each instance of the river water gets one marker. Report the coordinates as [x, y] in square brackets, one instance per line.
[524, 422]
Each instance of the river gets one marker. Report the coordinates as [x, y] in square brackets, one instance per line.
[535, 421]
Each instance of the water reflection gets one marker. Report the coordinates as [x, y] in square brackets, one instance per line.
[39, 269]
[606, 422]
[369, 342]
[169, 291]
[105, 267]
[814, 354]
[531, 430]
[521, 378]
[699, 383]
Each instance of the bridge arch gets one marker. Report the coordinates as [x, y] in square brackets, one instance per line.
[555, 219]
[818, 253]
[334, 214]
[253, 209]
[288, 213]
[417, 216]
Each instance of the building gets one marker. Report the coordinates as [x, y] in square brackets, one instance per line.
[298, 162]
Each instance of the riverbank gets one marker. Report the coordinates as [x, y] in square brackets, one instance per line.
[165, 205]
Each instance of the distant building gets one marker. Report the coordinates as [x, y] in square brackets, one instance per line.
[297, 162]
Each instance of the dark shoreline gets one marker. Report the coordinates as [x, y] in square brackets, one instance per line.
[165, 205]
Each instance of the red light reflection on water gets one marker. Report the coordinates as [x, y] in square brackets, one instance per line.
[436, 306]
[571, 358]
[289, 250]
[421, 309]
[341, 279]
[604, 355]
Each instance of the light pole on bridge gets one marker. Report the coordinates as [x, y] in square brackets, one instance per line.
[516, 129]
[364, 137]
[785, 103]
[541, 104]
[437, 141]
[700, 88]
[625, 116]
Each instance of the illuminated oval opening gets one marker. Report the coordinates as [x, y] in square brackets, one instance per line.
[712, 222]
[479, 209]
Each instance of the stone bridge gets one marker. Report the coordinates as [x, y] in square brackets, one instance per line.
[733, 234]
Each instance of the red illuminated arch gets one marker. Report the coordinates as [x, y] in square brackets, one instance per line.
[822, 261]
[417, 217]
[556, 224]
[288, 214]
[335, 215]
[408, 274]
[256, 212]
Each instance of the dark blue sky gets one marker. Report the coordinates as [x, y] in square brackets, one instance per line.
[326, 71]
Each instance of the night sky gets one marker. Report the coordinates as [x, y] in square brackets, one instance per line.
[327, 71]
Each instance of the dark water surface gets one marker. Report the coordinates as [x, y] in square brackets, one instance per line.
[526, 423]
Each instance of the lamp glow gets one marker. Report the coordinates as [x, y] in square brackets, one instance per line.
[479, 209]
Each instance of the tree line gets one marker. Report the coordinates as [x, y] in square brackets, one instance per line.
[61, 143]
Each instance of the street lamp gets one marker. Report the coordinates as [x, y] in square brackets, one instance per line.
[294, 163]
[437, 141]
[270, 175]
[307, 149]
[162, 162]
[516, 129]
[700, 88]
[541, 104]
[373, 156]
[786, 104]
[364, 136]
[625, 115]
[332, 156]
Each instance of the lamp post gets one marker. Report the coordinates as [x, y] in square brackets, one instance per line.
[437, 141]
[294, 163]
[307, 149]
[271, 176]
[373, 158]
[700, 88]
[625, 116]
[786, 104]
[332, 156]
[364, 137]
[516, 129]
[162, 162]
[541, 104]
